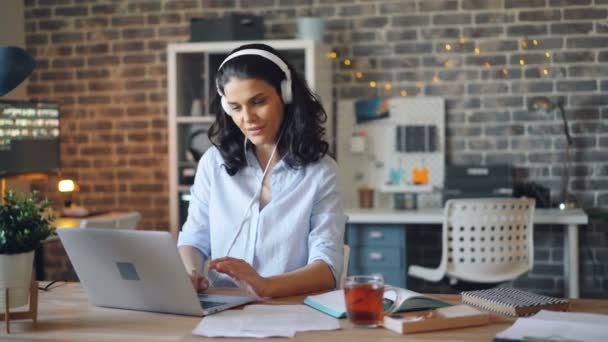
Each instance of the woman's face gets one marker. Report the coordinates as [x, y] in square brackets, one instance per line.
[257, 109]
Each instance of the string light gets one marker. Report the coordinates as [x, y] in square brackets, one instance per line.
[449, 46]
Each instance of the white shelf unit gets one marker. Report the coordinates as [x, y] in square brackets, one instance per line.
[191, 68]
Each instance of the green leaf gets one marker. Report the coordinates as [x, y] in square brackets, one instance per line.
[24, 222]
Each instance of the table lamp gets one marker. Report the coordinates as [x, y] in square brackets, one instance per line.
[15, 66]
[68, 187]
[545, 105]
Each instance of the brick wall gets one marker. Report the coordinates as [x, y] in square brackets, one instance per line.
[104, 61]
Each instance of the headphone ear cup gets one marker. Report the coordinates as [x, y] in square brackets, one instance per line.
[226, 106]
[286, 91]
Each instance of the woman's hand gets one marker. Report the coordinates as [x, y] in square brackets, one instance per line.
[199, 281]
[243, 273]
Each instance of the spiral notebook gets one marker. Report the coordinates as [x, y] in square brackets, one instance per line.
[513, 302]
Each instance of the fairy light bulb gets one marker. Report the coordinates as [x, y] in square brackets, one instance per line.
[359, 74]
[448, 47]
[477, 51]
[548, 54]
[404, 93]
[347, 62]
[388, 86]
[522, 61]
[373, 84]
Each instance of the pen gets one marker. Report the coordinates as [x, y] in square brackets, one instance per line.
[551, 338]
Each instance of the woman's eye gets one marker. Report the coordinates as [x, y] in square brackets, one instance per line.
[259, 102]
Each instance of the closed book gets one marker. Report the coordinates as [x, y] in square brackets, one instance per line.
[457, 316]
[513, 302]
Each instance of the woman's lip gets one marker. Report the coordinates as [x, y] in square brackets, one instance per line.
[255, 131]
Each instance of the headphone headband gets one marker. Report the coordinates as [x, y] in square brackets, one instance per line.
[286, 94]
[262, 53]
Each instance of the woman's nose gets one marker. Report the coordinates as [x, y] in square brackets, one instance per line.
[249, 113]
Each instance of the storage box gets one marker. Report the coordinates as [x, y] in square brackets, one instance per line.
[233, 26]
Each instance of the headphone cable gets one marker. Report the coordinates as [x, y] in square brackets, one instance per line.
[255, 195]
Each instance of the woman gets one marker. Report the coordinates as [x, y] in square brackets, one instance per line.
[265, 207]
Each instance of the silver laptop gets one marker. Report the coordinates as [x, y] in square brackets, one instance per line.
[138, 270]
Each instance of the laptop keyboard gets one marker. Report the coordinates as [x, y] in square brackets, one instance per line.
[205, 304]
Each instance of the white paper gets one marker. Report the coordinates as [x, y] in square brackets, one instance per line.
[265, 321]
[458, 311]
[559, 326]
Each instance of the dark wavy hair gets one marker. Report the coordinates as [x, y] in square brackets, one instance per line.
[302, 129]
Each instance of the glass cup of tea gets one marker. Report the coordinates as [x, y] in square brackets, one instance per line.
[364, 297]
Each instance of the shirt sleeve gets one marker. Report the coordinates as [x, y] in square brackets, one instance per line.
[195, 231]
[327, 223]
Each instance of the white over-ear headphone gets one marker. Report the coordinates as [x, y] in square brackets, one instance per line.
[286, 93]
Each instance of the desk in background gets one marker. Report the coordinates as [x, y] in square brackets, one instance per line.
[64, 314]
[74, 222]
[363, 218]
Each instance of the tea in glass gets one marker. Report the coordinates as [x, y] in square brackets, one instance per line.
[364, 300]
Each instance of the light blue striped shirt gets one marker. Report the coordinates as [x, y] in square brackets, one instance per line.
[303, 222]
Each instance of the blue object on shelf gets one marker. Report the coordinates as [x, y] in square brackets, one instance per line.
[371, 109]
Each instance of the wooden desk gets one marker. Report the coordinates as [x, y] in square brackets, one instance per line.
[570, 218]
[66, 315]
[74, 222]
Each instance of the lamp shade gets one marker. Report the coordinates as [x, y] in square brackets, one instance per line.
[15, 66]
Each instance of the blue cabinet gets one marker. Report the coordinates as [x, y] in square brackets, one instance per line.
[378, 248]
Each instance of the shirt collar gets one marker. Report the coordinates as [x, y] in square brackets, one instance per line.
[252, 161]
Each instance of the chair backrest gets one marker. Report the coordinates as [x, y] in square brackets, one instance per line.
[344, 265]
[488, 240]
[127, 220]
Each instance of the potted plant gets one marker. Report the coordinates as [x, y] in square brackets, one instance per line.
[309, 25]
[24, 223]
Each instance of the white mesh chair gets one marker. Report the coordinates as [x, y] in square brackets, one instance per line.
[344, 266]
[126, 220]
[485, 240]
